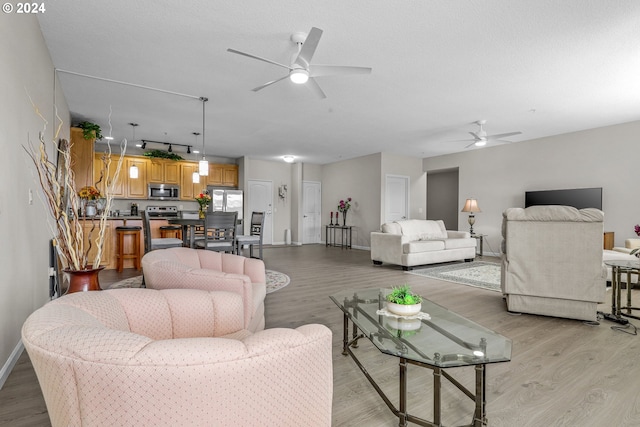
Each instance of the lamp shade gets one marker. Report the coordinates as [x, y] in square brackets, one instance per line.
[471, 205]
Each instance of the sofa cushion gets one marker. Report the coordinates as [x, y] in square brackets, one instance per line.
[421, 229]
[391, 228]
[459, 243]
[417, 246]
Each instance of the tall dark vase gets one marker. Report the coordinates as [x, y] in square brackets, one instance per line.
[83, 280]
[344, 218]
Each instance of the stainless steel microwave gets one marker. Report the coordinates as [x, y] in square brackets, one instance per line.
[163, 191]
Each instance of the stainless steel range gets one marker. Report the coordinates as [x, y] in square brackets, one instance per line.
[162, 211]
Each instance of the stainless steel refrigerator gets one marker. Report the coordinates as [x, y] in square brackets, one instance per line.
[226, 200]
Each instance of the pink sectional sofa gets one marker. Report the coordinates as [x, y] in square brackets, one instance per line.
[185, 268]
[176, 357]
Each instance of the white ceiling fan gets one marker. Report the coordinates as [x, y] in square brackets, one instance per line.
[481, 138]
[301, 70]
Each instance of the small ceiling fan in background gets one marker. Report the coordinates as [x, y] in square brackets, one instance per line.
[301, 71]
[481, 138]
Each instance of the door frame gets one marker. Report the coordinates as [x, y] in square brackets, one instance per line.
[319, 204]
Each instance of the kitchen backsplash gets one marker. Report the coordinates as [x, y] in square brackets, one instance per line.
[124, 205]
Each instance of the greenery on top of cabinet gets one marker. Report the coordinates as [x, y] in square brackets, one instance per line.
[160, 154]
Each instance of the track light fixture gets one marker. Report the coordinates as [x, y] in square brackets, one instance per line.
[170, 148]
[144, 145]
[188, 149]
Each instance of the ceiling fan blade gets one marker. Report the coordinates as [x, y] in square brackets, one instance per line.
[259, 58]
[475, 135]
[470, 145]
[308, 48]
[255, 89]
[334, 70]
[503, 135]
[313, 85]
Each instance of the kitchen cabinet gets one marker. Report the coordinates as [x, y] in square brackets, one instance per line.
[90, 228]
[224, 175]
[188, 190]
[81, 158]
[136, 188]
[164, 171]
[100, 174]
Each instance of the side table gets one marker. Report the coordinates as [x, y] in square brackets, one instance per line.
[480, 239]
[617, 268]
[345, 235]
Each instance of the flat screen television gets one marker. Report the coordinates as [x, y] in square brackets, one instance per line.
[579, 198]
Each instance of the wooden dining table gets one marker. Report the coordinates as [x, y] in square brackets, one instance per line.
[188, 229]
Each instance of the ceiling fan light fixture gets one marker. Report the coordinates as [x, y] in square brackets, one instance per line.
[481, 143]
[299, 76]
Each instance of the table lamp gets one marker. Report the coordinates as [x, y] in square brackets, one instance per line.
[471, 206]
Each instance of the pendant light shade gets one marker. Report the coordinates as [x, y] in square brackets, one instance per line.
[196, 178]
[133, 171]
[203, 165]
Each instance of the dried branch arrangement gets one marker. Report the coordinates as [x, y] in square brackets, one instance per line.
[62, 202]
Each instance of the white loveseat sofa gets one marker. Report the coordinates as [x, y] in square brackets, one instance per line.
[418, 241]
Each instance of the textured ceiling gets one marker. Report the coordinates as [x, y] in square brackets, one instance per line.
[542, 67]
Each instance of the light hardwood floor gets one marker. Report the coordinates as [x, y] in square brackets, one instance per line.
[562, 372]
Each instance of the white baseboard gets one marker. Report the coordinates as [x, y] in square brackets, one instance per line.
[11, 362]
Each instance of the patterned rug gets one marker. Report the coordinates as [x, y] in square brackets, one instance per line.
[485, 275]
[275, 282]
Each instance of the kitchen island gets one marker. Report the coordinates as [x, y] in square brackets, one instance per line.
[110, 243]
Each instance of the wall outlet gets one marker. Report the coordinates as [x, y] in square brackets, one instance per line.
[180, 207]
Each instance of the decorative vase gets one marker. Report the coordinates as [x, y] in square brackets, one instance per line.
[201, 212]
[90, 209]
[344, 218]
[404, 309]
[83, 280]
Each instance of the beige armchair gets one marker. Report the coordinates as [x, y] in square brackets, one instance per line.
[176, 357]
[552, 261]
[186, 268]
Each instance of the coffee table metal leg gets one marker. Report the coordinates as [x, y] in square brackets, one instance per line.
[479, 419]
[437, 381]
[402, 413]
[345, 334]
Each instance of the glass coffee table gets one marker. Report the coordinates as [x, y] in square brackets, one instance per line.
[446, 340]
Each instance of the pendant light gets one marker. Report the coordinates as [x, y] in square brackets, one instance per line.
[133, 170]
[203, 165]
[196, 175]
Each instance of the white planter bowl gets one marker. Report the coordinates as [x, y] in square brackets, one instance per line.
[404, 310]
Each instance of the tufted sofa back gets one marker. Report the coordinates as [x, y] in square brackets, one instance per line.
[174, 357]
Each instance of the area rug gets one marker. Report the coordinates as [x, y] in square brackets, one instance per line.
[275, 282]
[485, 275]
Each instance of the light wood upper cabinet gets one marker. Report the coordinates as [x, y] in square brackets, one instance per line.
[118, 189]
[136, 188]
[164, 171]
[81, 158]
[224, 175]
[187, 187]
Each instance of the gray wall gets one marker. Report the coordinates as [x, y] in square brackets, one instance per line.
[26, 71]
[499, 176]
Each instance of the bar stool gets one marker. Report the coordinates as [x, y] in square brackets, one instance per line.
[134, 232]
[170, 231]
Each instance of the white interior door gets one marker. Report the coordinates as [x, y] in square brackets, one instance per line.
[396, 198]
[311, 212]
[260, 199]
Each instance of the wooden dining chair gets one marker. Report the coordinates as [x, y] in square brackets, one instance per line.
[220, 232]
[150, 243]
[254, 237]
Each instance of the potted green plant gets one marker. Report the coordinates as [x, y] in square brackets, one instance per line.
[90, 130]
[402, 301]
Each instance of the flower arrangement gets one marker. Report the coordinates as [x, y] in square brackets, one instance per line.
[62, 201]
[90, 193]
[203, 199]
[344, 206]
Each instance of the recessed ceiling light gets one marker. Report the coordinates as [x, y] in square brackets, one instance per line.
[108, 138]
[288, 159]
